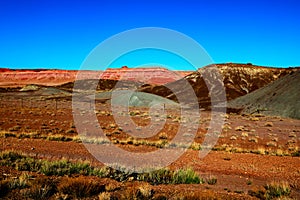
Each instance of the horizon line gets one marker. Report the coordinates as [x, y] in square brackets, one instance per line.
[142, 66]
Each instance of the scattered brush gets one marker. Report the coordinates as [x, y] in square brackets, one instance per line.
[41, 188]
[277, 189]
[80, 187]
[211, 180]
[273, 190]
[64, 167]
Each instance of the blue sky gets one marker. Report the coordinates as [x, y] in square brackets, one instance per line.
[60, 34]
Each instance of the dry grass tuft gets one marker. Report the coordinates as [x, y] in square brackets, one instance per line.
[269, 124]
[80, 187]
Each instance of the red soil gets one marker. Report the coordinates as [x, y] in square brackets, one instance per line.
[232, 170]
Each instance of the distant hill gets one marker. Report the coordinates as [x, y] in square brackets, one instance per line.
[281, 97]
[99, 85]
[51, 77]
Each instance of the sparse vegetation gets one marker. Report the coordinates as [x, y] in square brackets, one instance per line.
[249, 182]
[186, 176]
[253, 139]
[15, 128]
[63, 167]
[269, 124]
[244, 134]
[233, 137]
[104, 196]
[41, 188]
[271, 144]
[239, 128]
[254, 118]
[70, 131]
[80, 187]
[163, 143]
[163, 136]
[277, 189]
[273, 190]
[20, 182]
[211, 180]
[145, 191]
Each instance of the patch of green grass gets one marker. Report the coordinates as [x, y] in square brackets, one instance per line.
[64, 167]
[186, 176]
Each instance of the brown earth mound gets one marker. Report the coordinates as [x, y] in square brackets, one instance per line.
[278, 98]
[99, 85]
[238, 80]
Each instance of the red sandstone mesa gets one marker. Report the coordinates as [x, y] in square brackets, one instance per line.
[155, 75]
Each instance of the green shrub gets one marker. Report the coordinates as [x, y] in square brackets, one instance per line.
[186, 176]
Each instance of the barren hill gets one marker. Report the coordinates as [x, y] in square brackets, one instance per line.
[238, 80]
[278, 98]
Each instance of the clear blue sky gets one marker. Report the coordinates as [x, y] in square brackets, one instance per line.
[60, 34]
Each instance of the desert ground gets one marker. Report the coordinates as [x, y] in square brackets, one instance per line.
[43, 156]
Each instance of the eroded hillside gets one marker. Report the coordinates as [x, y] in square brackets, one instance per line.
[237, 79]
